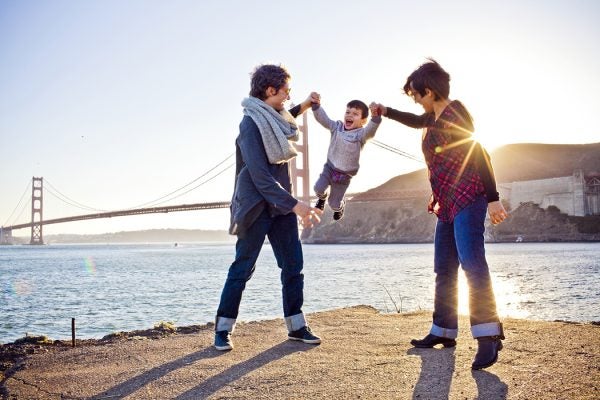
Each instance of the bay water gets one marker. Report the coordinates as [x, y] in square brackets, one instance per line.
[124, 287]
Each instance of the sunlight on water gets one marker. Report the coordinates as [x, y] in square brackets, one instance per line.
[508, 297]
[110, 288]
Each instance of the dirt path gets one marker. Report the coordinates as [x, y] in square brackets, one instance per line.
[364, 355]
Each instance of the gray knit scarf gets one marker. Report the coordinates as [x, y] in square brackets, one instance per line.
[276, 128]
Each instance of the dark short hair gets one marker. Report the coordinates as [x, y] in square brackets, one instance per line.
[266, 76]
[364, 110]
[432, 76]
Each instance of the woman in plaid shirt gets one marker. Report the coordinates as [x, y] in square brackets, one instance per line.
[464, 187]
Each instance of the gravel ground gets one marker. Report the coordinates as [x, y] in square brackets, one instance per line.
[364, 355]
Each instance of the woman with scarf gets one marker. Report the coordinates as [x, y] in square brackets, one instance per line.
[263, 205]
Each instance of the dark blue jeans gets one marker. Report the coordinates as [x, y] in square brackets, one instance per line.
[462, 242]
[282, 232]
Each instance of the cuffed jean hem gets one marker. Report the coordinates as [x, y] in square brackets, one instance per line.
[225, 324]
[487, 329]
[443, 332]
[295, 322]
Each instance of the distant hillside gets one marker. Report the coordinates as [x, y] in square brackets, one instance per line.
[406, 220]
[524, 162]
[147, 236]
[518, 162]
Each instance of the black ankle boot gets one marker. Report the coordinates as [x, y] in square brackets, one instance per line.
[487, 351]
[431, 340]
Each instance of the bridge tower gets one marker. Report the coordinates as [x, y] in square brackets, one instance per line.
[5, 235]
[37, 198]
[300, 170]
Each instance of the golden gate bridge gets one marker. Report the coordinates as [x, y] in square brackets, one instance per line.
[300, 180]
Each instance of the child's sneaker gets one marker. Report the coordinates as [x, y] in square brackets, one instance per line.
[320, 204]
[223, 341]
[337, 215]
[305, 335]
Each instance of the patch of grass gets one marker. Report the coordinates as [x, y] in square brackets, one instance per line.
[399, 309]
[165, 326]
[35, 339]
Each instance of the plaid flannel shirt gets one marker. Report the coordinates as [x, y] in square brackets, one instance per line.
[449, 151]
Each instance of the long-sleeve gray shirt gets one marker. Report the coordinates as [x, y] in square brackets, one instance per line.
[345, 146]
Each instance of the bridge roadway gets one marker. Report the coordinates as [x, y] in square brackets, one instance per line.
[351, 197]
[121, 213]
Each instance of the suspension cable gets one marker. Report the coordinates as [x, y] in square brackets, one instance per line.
[26, 206]
[200, 184]
[51, 190]
[18, 204]
[157, 201]
[67, 199]
[397, 151]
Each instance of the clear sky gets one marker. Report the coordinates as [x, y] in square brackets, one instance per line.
[117, 103]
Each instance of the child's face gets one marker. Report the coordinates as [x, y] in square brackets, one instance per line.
[353, 119]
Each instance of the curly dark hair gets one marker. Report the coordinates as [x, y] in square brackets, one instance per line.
[265, 76]
[429, 76]
[359, 105]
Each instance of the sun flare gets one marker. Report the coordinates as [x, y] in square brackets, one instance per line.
[508, 297]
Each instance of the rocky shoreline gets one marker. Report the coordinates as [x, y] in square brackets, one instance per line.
[406, 221]
[12, 353]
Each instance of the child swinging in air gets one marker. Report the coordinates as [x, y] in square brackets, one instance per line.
[348, 137]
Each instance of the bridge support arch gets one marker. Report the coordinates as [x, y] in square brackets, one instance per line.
[299, 167]
[37, 202]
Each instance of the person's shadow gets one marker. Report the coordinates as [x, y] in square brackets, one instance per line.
[489, 386]
[212, 384]
[437, 369]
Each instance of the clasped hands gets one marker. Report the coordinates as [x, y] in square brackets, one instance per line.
[377, 109]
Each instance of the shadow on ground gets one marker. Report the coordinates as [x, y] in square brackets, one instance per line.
[437, 370]
[212, 384]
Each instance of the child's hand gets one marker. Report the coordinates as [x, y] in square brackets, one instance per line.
[381, 109]
[374, 110]
[315, 98]
[312, 101]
